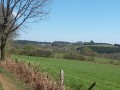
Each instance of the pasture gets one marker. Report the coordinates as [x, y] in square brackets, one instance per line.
[78, 73]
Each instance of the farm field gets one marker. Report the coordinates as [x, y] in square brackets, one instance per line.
[79, 74]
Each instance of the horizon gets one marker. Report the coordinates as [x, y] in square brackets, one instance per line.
[83, 20]
[66, 41]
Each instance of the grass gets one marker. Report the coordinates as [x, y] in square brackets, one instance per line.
[103, 60]
[31, 76]
[79, 73]
[19, 84]
[1, 86]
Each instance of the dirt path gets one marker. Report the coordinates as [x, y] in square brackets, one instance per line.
[7, 84]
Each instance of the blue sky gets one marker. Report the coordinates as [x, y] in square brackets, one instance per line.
[78, 20]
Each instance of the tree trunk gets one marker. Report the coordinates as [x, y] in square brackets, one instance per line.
[3, 52]
[2, 49]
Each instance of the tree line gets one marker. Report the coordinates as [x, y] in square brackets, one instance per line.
[100, 49]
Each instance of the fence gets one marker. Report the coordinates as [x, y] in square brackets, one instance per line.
[61, 78]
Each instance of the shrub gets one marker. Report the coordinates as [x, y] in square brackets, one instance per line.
[74, 56]
[99, 49]
[32, 52]
[82, 58]
[31, 76]
[41, 52]
[91, 58]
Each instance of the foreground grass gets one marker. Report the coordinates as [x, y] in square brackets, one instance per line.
[19, 84]
[79, 73]
[1, 86]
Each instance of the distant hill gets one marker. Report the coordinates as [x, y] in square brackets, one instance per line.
[31, 42]
[101, 48]
[78, 45]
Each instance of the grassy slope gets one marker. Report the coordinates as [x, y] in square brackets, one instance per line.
[19, 84]
[1, 86]
[80, 73]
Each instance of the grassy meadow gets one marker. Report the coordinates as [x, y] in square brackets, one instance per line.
[78, 73]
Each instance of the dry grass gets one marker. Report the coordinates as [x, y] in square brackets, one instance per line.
[31, 76]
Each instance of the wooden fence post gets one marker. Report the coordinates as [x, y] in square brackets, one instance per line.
[16, 59]
[90, 88]
[62, 80]
[29, 64]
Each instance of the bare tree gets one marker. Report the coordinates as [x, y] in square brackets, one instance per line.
[13, 13]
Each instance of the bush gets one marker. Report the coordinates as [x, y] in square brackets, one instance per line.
[74, 56]
[31, 76]
[91, 58]
[99, 49]
[41, 53]
[32, 52]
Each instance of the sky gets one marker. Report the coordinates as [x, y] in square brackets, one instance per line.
[77, 20]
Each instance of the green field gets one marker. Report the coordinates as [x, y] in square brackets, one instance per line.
[77, 73]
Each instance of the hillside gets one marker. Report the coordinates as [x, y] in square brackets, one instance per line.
[63, 43]
[95, 47]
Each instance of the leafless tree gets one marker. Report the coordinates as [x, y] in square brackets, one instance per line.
[13, 13]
